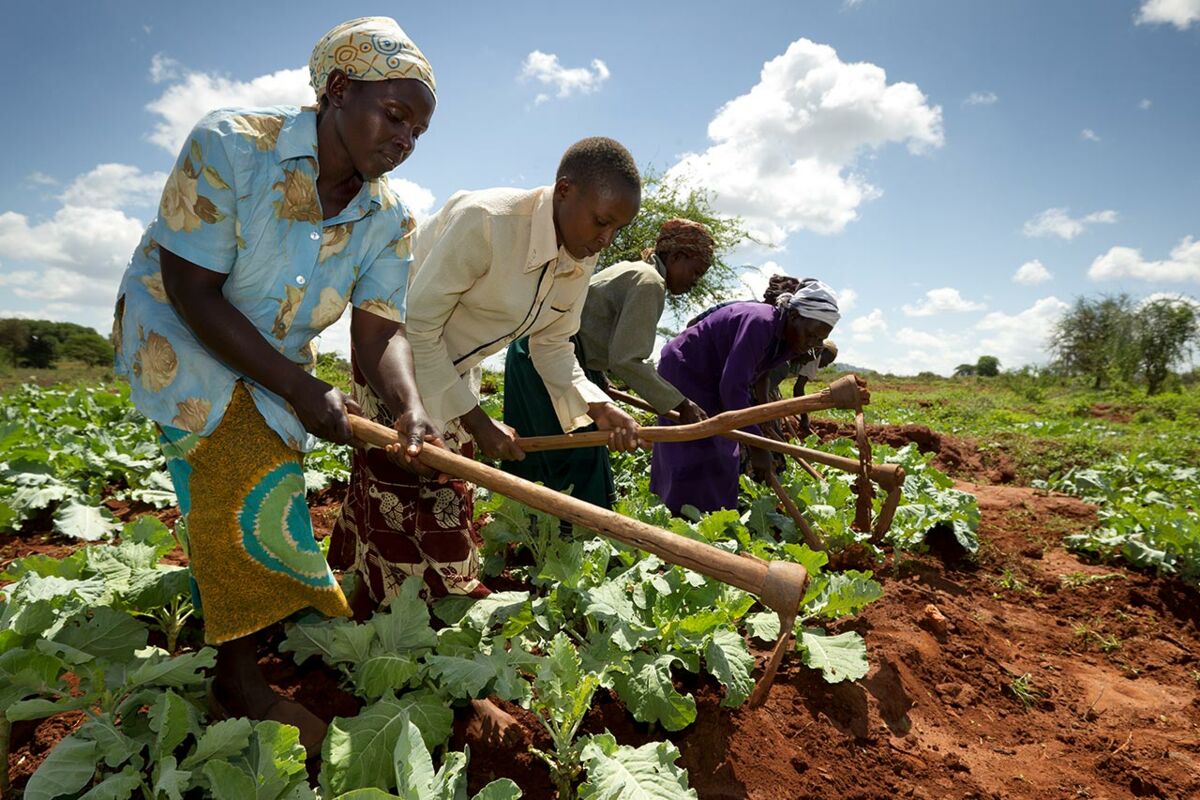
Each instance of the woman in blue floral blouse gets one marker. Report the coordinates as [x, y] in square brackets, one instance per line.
[271, 223]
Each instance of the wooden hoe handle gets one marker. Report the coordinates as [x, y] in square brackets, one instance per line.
[890, 477]
[848, 391]
[737, 436]
[778, 584]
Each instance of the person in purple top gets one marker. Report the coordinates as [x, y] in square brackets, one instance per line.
[715, 363]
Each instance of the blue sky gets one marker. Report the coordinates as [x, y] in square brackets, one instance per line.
[918, 156]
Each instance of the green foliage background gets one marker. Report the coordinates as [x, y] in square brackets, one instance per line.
[664, 199]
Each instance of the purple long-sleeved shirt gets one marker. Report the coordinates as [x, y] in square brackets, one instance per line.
[715, 364]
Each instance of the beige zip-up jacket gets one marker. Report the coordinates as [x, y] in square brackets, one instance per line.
[488, 270]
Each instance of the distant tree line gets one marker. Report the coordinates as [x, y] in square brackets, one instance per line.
[42, 344]
[1113, 339]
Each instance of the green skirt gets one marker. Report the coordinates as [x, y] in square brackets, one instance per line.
[585, 472]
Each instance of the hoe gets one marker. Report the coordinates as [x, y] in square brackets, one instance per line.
[779, 585]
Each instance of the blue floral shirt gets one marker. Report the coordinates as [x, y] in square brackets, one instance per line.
[242, 200]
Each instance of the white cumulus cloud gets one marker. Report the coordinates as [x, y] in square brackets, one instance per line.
[565, 81]
[865, 327]
[90, 241]
[194, 94]
[1172, 298]
[1059, 222]
[416, 198]
[945, 300]
[1145, 103]
[1180, 13]
[18, 278]
[785, 155]
[163, 68]
[756, 278]
[36, 178]
[1019, 339]
[1032, 273]
[1016, 339]
[75, 258]
[115, 186]
[1127, 262]
[1089, 135]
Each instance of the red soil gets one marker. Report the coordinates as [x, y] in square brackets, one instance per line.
[1113, 664]
[955, 456]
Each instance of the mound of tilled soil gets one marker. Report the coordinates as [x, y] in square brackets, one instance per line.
[958, 457]
[1110, 666]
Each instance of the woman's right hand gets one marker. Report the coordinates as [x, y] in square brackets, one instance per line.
[762, 464]
[322, 409]
[495, 439]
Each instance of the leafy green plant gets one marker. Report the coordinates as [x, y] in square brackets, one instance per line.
[59, 449]
[415, 778]
[617, 771]
[1147, 514]
[1023, 690]
[562, 695]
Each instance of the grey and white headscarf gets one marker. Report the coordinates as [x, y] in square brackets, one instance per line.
[813, 299]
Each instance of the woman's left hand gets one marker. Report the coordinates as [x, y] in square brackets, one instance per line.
[623, 430]
[417, 429]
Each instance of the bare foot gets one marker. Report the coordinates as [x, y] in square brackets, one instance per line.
[226, 703]
[492, 725]
[239, 689]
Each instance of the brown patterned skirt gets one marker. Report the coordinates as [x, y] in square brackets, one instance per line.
[394, 524]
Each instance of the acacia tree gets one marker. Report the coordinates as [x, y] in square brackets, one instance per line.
[1095, 339]
[987, 366]
[663, 199]
[1166, 332]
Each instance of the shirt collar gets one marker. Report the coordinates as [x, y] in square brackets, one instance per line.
[543, 242]
[298, 139]
[659, 265]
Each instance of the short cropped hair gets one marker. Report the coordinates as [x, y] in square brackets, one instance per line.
[600, 161]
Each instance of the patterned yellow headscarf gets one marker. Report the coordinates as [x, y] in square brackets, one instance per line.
[368, 49]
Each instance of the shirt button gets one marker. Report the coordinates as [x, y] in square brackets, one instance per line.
[314, 236]
[300, 280]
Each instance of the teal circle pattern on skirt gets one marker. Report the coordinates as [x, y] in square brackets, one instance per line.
[277, 530]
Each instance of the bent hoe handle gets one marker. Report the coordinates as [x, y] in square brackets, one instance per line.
[849, 391]
[737, 436]
[779, 585]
